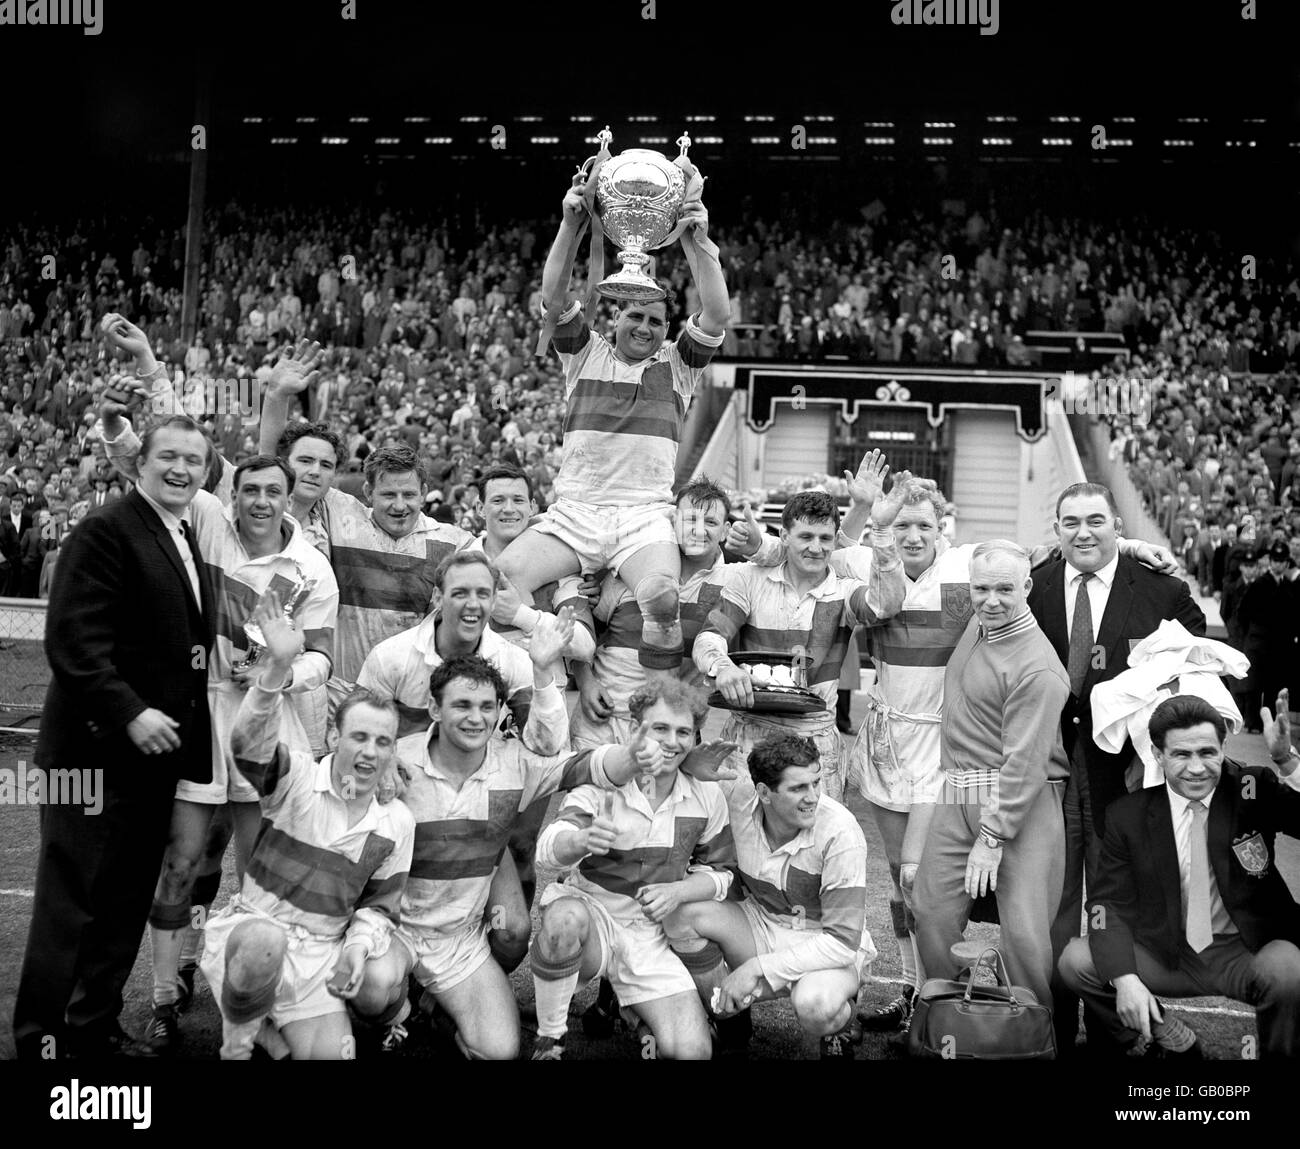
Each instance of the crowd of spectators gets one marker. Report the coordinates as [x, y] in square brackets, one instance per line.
[430, 331]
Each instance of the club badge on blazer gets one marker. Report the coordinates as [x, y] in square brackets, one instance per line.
[1252, 853]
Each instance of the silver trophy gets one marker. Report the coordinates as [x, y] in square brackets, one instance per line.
[303, 586]
[639, 197]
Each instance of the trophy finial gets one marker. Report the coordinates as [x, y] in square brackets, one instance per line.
[684, 142]
[604, 137]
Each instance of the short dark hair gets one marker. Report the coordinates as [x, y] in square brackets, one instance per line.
[1181, 712]
[506, 472]
[702, 491]
[469, 666]
[673, 691]
[773, 756]
[1083, 490]
[262, 463]
[360, 696]
[462, 559]
[174, 423]
[395, 458]
[812, 507]
[296, 431]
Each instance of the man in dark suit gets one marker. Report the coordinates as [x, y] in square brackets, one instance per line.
[1188, 901]
[15, 521]
[128, 632]
[1093, 630]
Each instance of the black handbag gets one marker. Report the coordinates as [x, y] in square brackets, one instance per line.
[963, 1021]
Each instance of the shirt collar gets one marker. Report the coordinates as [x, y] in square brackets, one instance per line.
[824, 589]
[1105, 575]
[1018, 625]
[169, 518]
[1178, 804]
[805, 839]
[323, 782]
[426, 639]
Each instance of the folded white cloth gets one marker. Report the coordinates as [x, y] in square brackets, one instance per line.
[1171, 660]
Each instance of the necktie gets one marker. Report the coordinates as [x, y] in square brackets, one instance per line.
[190, 555]
[1200, 931]
[1080, 635]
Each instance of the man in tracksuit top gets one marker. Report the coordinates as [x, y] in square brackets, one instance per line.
[998, 825]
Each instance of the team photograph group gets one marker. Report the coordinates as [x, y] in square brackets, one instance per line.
[588, 630]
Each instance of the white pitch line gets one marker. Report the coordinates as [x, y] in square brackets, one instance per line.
[1171, 1004]
[17, 893]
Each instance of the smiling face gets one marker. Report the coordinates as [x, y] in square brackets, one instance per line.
[792, 805]
[1089, 533]
[260, 503]
[1192, 760]
[175, 468]
[506, 509]
[674, 729]
[313, 462]
[700, 530]
[467, 715]
[916, 531]
[367, 740]
[466, 603]
[808, 546]
[640, 331]
[999, 587]
[396, 498]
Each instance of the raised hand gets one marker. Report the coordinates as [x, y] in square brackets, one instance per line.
[647, 754]
[575, 205]
[295, 372]
[1277, 731]
[123, 335]
[707, 762]
[868, 484]
[744, 538]
[552, 634]
[886, 507]
[122, 396]
[284, 642]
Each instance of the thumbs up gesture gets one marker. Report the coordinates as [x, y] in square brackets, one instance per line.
[745, 535]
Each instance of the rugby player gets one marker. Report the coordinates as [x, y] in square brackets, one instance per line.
[626, 407]
[615, 673]
[324, 883]
[466, 790]
[636, 855]
[801, 925]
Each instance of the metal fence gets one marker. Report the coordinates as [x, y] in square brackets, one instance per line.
[24, 672]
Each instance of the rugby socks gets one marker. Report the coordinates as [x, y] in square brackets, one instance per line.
[1173, 1034]
[555, 982]
[704, 962]
[167, 926]
[206, 887]
[906, 946]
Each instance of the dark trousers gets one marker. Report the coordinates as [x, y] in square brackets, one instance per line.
[1268, 979]
[95, 879]
[1082, 856]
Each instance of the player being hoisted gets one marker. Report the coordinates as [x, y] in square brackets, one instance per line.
[626, 406]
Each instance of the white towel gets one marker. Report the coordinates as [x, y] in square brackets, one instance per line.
[1122, 707]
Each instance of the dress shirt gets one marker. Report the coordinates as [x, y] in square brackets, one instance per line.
[1098, 593]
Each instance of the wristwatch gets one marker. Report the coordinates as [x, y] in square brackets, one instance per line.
[989, 840]
[1292, 753]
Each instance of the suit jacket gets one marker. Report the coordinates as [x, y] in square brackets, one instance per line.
[10, 539]
[124, 633]
[1139, 895]
[1140, 599]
